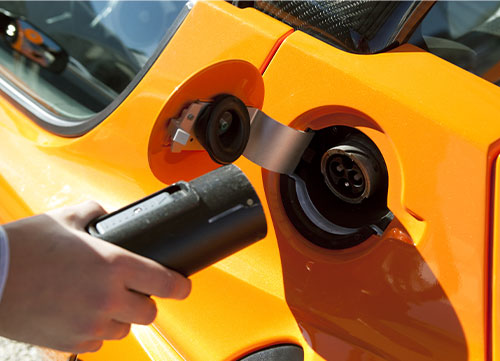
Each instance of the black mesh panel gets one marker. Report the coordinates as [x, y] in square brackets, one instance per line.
[357, 26]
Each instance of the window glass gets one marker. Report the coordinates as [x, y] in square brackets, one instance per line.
[466, 33]
[76, 57]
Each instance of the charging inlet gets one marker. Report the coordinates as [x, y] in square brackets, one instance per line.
[337, 195]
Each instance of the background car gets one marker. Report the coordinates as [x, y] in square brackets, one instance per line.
[382, 241]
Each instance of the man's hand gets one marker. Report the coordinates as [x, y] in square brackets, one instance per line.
[69, 291]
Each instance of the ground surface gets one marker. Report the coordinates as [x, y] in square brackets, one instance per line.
[15, 351]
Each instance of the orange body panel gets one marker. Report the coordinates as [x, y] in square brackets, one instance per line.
[421, 291]
[442, 159]
[142, 343]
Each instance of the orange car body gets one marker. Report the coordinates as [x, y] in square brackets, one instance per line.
[427, 289]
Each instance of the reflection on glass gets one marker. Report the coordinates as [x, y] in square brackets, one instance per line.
[466, 33]
[75, 57]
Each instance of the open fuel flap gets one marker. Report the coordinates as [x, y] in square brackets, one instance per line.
[334, 180]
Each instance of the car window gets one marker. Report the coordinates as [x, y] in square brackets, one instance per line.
[76, 57]
[466, 33]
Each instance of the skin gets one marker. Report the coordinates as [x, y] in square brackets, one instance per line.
[69, 291]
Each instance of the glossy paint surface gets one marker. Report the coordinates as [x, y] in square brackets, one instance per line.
[143, 343]
[441, 158]
[418, 292]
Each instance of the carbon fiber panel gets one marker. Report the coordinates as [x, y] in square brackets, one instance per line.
[356, 26]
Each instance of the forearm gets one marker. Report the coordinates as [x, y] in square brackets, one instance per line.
[4, 260]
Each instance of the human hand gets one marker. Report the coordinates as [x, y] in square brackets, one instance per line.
[69, 291]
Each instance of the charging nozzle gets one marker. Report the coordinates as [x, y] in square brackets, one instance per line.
[189, 226]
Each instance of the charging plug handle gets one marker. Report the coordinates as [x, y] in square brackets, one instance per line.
[189, 226]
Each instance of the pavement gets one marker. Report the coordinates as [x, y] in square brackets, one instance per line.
[16, 351]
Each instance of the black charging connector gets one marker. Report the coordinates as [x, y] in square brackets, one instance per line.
[189, 226]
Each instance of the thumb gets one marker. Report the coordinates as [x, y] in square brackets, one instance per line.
[79, 215]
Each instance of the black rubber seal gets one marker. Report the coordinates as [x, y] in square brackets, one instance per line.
[224, 145]
[285, 352]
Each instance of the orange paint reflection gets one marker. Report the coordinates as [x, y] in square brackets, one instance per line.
[377, 299]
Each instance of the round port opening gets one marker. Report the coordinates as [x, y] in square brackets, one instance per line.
[337, 196]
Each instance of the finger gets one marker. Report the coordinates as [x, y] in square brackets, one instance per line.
[115, 330]
[86, 212]
[88, 346]
[136, 308]
[151, 278]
